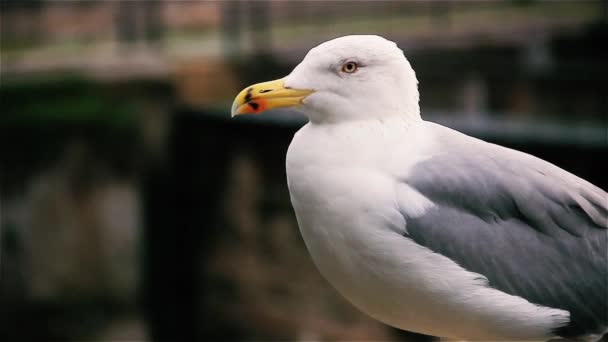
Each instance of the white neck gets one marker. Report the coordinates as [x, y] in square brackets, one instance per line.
[326, 108]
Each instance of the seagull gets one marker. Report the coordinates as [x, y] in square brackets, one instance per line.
[427, 229]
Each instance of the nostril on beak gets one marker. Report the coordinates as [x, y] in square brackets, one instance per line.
[248, 96]
[265, 90]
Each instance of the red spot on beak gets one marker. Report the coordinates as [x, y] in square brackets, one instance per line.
[261, 105]
[256, 106]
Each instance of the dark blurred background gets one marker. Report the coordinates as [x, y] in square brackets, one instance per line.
[133, 208]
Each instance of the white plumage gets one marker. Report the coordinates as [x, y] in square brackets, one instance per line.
[425, 228]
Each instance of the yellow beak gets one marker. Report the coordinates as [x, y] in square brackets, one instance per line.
[263, 96]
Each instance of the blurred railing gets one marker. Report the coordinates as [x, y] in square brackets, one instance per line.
[209, 49]
[237, 28]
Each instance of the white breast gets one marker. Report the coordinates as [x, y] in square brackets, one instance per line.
[345, 190]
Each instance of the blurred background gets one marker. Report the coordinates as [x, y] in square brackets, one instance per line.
[133, 208]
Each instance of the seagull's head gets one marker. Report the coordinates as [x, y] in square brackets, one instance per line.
[347, 78]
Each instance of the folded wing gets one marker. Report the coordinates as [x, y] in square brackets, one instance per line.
[532, 229]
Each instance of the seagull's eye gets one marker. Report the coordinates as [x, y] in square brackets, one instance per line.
[350, 67]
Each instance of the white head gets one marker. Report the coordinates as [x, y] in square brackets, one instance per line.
[347, 78]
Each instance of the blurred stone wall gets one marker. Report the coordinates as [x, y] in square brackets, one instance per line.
[70, 194]
[81, 231]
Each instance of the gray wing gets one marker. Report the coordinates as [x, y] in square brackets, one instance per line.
[532, 229]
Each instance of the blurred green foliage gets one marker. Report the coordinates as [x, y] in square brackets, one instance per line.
[70, 99]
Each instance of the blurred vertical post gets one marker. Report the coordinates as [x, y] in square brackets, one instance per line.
[231, 28]
[161, 261]
[126, 21]
[259, 20]
[153, 21]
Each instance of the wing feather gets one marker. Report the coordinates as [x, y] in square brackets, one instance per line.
[533, 229]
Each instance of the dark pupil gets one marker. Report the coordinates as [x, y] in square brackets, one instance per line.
[350, 66]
